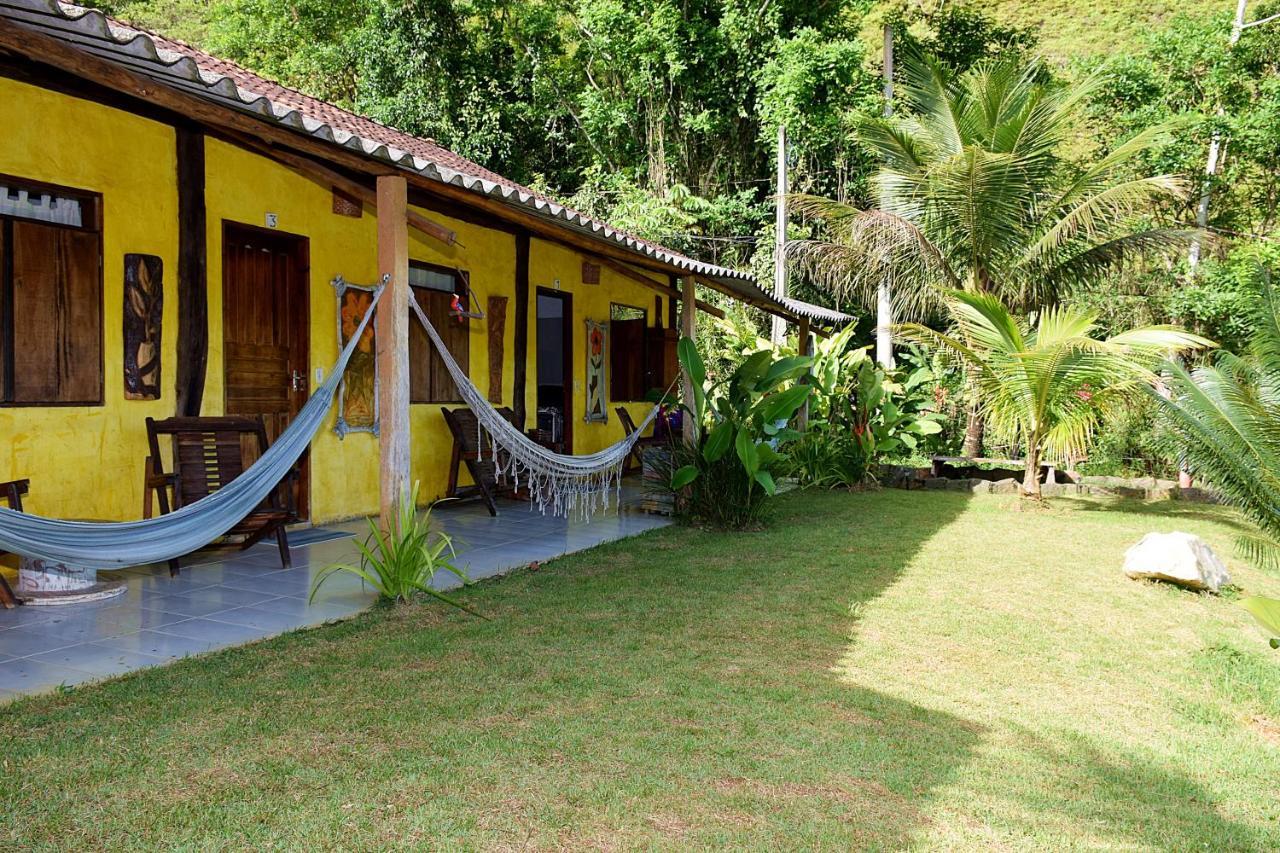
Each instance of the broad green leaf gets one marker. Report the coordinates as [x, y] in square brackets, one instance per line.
[718, 441]
[687, 351]
[747, 452]
[765, 479]
[784, 404]
[1266, 611]
[683, 477]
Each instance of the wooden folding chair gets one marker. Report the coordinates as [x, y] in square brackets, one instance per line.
[467, 450]
[637, 456]
[11, 492]
[208, 453]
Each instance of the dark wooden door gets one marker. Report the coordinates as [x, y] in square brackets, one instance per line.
[265, 331]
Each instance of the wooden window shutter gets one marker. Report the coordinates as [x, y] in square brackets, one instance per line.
[429, 379]
[626, 359]
[57, 314]
[420, 351]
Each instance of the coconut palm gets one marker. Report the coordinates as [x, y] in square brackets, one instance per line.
[1050, 385]
[1225, 424]
[975, 194]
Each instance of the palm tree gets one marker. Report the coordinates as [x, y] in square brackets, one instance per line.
[1048, 386]
[975, 194]
[1225, 423]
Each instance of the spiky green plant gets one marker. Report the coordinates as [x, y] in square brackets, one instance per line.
[399, 563]
[1224, 419]
[975, 194]
[1050, 384]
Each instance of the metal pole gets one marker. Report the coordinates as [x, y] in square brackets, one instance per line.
[778, 328]
[884, 301]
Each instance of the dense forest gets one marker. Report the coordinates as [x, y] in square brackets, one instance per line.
[661, 116]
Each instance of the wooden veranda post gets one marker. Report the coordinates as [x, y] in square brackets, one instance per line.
[393, 344]
[806, 348]
[689, 328]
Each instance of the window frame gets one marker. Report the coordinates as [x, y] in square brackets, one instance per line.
[461, 283]
[91, 216]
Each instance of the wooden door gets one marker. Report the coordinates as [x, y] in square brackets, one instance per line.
[265, 322]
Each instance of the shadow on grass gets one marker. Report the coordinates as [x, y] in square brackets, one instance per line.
[674, 688]
[1222, 515]
[1124, 800]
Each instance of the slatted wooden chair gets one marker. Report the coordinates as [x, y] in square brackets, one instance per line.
[208, 453]
[466, 451]
[636, 458]
[11, 492]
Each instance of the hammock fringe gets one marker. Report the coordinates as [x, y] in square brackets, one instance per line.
[559, 483]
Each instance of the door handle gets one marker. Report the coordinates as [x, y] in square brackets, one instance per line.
[297, 381]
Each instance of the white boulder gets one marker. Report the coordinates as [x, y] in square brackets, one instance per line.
[1178, 558]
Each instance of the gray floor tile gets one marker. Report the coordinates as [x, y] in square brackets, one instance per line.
[99, 660]
[214, 632]
[33, 676]
[272, 621]
[34, 639]
[206, 601]
[157, 645]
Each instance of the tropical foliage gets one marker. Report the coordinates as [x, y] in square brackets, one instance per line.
[1049, 385]
[400, 563]
[858, 414]
[741, 424]
[1225, 421]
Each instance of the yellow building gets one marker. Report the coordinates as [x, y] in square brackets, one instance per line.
[160, 203]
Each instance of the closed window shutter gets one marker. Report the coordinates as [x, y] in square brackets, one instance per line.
[626, 359]
[429, 379]
[420, 352]
[57, 314]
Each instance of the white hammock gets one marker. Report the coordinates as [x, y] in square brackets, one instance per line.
[555, 481]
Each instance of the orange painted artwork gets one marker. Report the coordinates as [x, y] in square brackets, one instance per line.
[597, 399]
[358, 396]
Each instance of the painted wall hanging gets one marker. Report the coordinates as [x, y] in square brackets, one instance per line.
[143, 311]
[358, 392]
[597, 397]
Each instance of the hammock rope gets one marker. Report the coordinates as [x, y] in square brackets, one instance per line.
[557, 482]
[116, 545]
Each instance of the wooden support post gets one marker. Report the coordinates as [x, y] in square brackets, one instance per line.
[689, 329]
[521, 355]
[806, 348]
[393, 344]
[193, 288]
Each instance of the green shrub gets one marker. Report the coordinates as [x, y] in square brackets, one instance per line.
[399, 563]
[740, 433]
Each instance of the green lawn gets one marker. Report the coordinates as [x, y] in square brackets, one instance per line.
[891, 669]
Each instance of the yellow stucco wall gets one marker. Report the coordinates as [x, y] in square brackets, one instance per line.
[551, 263]
[86, 462]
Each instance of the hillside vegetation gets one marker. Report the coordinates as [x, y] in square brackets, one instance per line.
[1072, 28]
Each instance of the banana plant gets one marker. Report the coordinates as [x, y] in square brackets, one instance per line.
[747, 413]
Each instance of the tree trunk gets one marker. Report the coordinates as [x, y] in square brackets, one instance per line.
[1031, 479]
[973, 429]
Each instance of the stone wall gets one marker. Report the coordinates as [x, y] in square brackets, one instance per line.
[1141, 488]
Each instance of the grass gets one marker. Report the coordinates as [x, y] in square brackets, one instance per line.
[885, 670]
[1070, 29]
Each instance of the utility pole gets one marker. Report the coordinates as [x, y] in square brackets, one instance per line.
[778, 329]
[1216, 144]
[884, 300]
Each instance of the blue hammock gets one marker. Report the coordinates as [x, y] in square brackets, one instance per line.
[154, 540]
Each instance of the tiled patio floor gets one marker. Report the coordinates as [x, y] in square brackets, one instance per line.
[238, 597]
